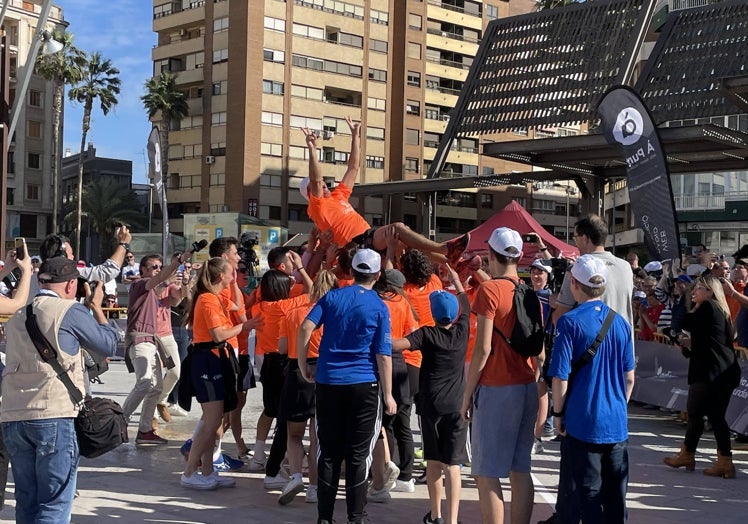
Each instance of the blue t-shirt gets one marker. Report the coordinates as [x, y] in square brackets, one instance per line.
[357, 329]
[596, 405]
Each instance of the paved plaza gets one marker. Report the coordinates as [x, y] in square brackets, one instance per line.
[141, 484]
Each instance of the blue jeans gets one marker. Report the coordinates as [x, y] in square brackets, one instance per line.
[593, 481]
[44, 455]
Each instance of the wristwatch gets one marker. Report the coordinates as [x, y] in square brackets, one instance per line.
[125, 245]
[558, 413]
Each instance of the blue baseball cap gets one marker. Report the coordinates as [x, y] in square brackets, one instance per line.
[444, 307]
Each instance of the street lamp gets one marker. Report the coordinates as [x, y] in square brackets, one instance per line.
[151, 187]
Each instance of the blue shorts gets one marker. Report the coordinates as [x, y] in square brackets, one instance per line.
[207, 377]
[503, 429]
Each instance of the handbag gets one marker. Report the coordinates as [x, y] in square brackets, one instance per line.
[100, 425]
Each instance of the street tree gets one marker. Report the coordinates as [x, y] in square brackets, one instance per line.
[63, 68]
[99, 82]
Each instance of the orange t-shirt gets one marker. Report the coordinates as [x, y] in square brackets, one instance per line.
[419, 298]
[289, 329]
[733, 303]
[337, 214]
[345, 282]
[504, 367]
[402, 320]
[470, 292]
[266, 337]
[211, 311]
[228, 297]
[244, 335]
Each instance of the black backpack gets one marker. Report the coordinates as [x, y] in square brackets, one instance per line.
[528, 333]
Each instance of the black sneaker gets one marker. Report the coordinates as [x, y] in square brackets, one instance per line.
[428, 520]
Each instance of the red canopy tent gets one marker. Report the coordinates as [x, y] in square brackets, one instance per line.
[516, 217]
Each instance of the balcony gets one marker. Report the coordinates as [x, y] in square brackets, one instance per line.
[453, 36]
[699, 202]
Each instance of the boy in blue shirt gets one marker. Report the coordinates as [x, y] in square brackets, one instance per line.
[592, 415]
[440, 390]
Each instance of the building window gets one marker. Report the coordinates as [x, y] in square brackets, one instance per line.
[486, 200]
[35, 98]
[414, 50]
[308, 31]
[271, 149]
[412, 137]
[220, 55]
[33, 129]
[376, 162]
[375, 133]
[379, 46]
[11, 162]
[415, 21]
[273, 55]
[33, 161]
[217, 179]
[377, 75]
[218, 119]
[380, 17]
[315, 124]
[411, 165]
[413, 107]
[414, 78]
[272, 88]
[32, 192]
[221, 24]
[275, 24]
[220, 88]
[378, 104]
[492, 12]
[272, 119]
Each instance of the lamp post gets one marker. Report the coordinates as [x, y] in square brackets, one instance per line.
[568, 191]
[150, 206]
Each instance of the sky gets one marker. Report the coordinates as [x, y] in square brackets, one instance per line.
[122, 31]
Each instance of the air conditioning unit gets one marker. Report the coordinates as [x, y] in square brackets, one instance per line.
[210, 159]
[327, 135]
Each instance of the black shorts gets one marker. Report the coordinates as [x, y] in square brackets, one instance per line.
[400, 380]
[444, 438]
[246, 374]
[271, 376]
[206, 374]
[297, 398]
[365, 240]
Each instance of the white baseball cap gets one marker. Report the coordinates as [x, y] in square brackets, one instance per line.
[587, 268]
[653, 267]
[544, 265]
[366, 261]
[506, 241]
[304, 188]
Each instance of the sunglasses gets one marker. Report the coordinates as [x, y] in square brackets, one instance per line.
[156, 266]
[129, 256]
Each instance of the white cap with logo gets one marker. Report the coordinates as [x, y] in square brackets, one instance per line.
[587, 269]
[506, 241]
[366, 261]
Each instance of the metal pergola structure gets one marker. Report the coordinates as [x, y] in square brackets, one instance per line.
[551, 68]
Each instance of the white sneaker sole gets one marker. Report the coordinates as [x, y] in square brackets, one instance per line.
[287, 498]
[199, 486]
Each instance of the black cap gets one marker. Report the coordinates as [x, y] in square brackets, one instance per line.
[57, 269]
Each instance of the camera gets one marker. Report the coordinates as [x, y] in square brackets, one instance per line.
[559, 267]
[249, 259]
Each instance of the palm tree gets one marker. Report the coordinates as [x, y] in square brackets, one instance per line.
[63, 68]
[106, 204]
[99, 81]
[163, 96]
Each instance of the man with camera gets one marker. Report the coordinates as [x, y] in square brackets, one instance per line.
[37, 412]
[150, 342]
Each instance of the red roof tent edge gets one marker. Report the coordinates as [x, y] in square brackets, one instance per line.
[516, 217]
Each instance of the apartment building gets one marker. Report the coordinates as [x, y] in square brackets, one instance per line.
[255, 72]
[29, 183]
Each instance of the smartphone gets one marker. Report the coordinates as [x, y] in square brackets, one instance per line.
[20, 248]
[528, 238]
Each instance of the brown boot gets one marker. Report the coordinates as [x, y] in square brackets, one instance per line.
[684, 458]
[722, 468]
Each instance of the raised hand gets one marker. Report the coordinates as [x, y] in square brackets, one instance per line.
[310, 137]
[354, 126]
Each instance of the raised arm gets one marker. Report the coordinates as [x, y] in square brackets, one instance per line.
[354, 159]
[316, 184]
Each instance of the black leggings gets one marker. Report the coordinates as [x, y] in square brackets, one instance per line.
[711, 399]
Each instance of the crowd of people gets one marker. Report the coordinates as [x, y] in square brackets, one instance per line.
[350, 333]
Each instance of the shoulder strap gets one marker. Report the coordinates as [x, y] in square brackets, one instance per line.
[48, 354]
[497, 330]
[588, 355]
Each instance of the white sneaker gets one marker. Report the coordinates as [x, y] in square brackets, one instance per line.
[277, 482]
[177, 411]
[404, 486]
[199, 482]
[255, 466]
[380, 496]
[537, 447]
[391, 472]
[223, 482]
[311, 494]
[293, 488]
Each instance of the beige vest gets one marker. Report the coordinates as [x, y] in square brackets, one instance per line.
[31, 389]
